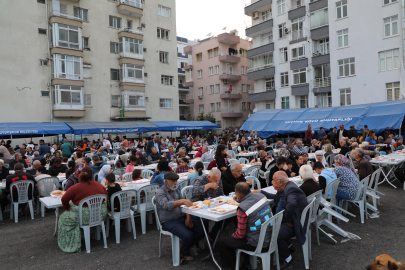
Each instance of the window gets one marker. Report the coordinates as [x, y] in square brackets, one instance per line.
[199, 57]
[163, 34]
[63, 8]
[284, 79]
[212, 106]
[242, 52]
[270, 84]
[243, 106]
[304, 101]
[297, 53]
[269, 104]
[67, 36]
[114, 74]
[323, 100]
[347, 67]
[216, 69]
[68, 67]
[248, 88]
[243, 88]
[131, 45]
[87, 71]
[86, 43]
[285, 102]
[201, 108]
[200, 92]
[80, 13]
[166, 103]
[68, 95]
[183, 65]
[44, 93]
[343, 38]
[88, 100]
[129, 24]
[115, 22]
[393, 92]
[164, 57]
[166, 80]
[210, 71]
[320, 47]
[199, 73]
[132, 73]
[297, 28]
[242, 70]
[341, 9]
[43, 62]
[386, 2]
[282, 30]
[283, 55]
[216, 51]
[319, 18]
[211, 89]
[299, 76]
[164, 11]
[218, 106]
[42, 31]
[280, 7]
[389, 60]
[209, 53]
[114, 47]
[261, 61]
[116, 101]
[136, 99]
[345, 97]
[41, 1]
[219, 124]
[391, 26]
[217, 88]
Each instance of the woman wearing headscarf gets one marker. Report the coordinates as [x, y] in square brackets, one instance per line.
[320, 157]
[6, 154]
[349, 182]
[106, 169]
[141, 160]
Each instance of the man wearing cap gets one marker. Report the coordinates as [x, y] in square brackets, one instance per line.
[57, 167]
[188, 228]
[342, 133]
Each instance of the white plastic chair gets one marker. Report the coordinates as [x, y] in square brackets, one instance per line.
[124, 198]
[251, 148]
[267, 177]
[360, 199]
[94, 204]
[255, 182]
[112, 156]
[127, 177]
[243, 160]
[119, 171]
[49, 184]
[207, 163]
[146, 174]
[330, 159]
[105, 159]
[306, 248]
[182, 183]
[231, 161]
[373, 191]
[88, 155]
[273, 247]
[64, 184]
[314, 218]
[175, 239]
[253, 171]
[22, 188]
[187, 192]
[231, 153]
[146, 206]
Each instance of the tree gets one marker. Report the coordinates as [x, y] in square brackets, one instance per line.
[207, 117]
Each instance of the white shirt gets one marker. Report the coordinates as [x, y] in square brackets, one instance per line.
[105, 142]
[340, 134]
[41, 187]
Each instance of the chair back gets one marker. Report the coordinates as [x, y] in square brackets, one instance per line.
[348, 154]
[88, 155]
[95, 177]
[187, 192]
[156, 213]
[317, 195]
[232, 161]
[64, 184]
[276, 223]
[112, 156]
[330, 159]
[119, 171]
[270, 153]
[253, 171]
[29, 164]
[146, 174]
[182, 183]
[150, 191]
[362, 189]
[243, 160]
[334, 186]
[251, 148]
[207, 163]
[267, 177]
[306, 149]
[50, 184]
[231, 153]
[94, 204]
[125, 198]
[105, 159]
[306, 215]
[235, 150]
[374, 178]
[255, 182]
[22, 190]
[127, 177]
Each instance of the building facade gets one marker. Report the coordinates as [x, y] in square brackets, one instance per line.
[73, 60]
[218, 75]
[325, 53]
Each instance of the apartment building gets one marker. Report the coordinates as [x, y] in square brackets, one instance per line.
[183, 60]
[219, 79]
[323, 53]
[76, 60]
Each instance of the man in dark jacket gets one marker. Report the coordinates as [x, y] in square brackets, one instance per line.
[364, 168]
[292, 199]
[97, 164]
[231, 176]
[352, 133]
[155, 142]
[310, 186]
[332, 136]
[210, 138]
[341, 133]
[43, 148]
[17, 159]
[343, 147]
[57, 167]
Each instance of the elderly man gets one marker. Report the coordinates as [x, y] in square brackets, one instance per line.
[169, 154]
[364, 168]
[343, 147]
[243, 147]
[106, 142]
[108, 149]
[35, 165]
[17, 159]
[153, 143]
[97, 164]
[292, 199]
[57, 167]
[187, 228]
[290, 148]
[206, 155]
[154, 156]
[368, 153]
[315, 146]
[231, 176]
[36, 156]
[309, 186]
[298, 149]
[100, 152]
[253, 211]
[387, 148]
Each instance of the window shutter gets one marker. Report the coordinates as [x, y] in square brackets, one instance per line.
[63, 9]
[389, 94]
[396, 92]
[87, 100]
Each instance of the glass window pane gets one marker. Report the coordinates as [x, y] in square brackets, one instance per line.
[345, 11]
[65, 96]
[387, 30]
[348, 100]
[303, 78]
[340, 71]
[73, 37]
[75, 97]
[346, 70]
[382, 64]
[395, 28]
[352, 69]
[346, 38]
[63, 34]
[138, 74]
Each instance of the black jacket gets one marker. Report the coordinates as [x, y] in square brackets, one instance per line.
[13, 162]
[210, 139]
[344, 150]
[150, 145]
[332, 137]
[4, 173]
[54, 171]
[229, 181]
[309, 187]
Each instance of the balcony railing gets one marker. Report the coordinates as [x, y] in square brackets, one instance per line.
[134, 31]
[251, 69]
[322, 82]
[297, 4]
[200, 96]
[57, 13]
[137, 107]
[297, 34]
[183, 117]
[181, 71]
[181, 86]
[134, 3]
[190, 96]
[255, 91]
[229, 72]
[260, 19]
[231, 109]
[226, 90]
[262, 42]
[319, 51]
[182, 102]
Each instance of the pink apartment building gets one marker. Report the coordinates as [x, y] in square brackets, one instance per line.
[219, 79]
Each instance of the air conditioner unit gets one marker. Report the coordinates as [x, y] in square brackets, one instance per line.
[200, 96]
[225, 81]
[255, 15]
[286, 31]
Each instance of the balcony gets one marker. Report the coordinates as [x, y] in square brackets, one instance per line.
[297, 10]
[297, 35]
[59, 113]
[179, 54]
[181, 71]
[261, 72]
[320, 32]
[322, 85]
[130, 7]
[320, 58]
[182, 102]
[131, 33]
[189, 84]
[230, 76]
[188, 50]
[228, 38]
[257, 5]
[182, 118]
[182, 87]
[231, 112]
[262, 94]
[130, 107]
[56, 16]
[315, 5]
[189, 67]
[226, 93]
[189, 98]
[229, 58]
[260, 47]
[260, 27]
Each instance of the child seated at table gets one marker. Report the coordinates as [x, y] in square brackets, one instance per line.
[112, 187]
[137, 175]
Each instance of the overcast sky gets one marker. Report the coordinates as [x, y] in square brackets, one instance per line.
[196, 19]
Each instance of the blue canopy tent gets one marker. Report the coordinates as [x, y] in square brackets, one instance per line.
[378, 116]
[183, 125]
[32, 129]
[80, 128]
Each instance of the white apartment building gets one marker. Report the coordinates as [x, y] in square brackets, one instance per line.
[324, 53]
[184, 60]
[78, 60]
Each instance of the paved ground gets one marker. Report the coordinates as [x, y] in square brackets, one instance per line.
[30, 244]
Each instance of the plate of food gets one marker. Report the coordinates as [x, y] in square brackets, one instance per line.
[393, 159]
[223, 209]
[122, 183]
[142, 181]
[377, 158]
[219, 200]
[57, 193]
[196, 206]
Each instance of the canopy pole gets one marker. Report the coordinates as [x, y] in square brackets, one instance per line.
[400, 127]
[11, 138]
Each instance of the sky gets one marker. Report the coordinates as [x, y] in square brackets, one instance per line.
[196, 19]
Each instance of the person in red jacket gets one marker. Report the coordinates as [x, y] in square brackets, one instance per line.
[308, 135]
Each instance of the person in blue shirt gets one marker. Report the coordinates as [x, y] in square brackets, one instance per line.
[199, 167]
[371, 139]
[321, 134]
[43, 148]
[162, 168]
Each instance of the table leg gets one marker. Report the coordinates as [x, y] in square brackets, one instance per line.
[215, 241]
[57, 221]
[386, 176]
[209, 245]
